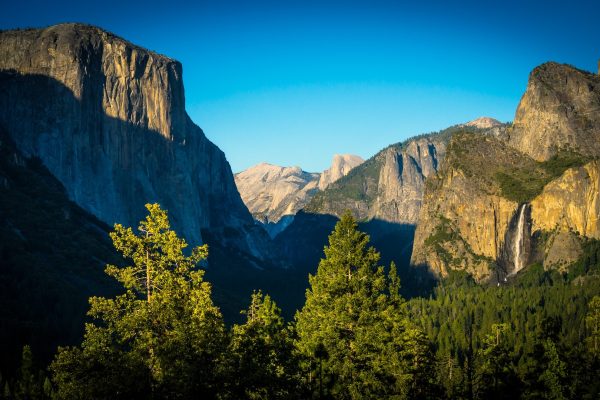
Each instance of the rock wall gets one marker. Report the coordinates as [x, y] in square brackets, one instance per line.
[402, 180]
[467, 223]
[559, 110]
[387, 187]
[461, 226]
[341, 165]
[571, 202]
[108, 119]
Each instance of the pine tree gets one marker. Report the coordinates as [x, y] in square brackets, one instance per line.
[496, 377]
[592, 321]
[354, 325]
[163, 336]
[261, 360]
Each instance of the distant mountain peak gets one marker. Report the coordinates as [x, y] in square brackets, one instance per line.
[274, 194]
[340, 166]
[484, 123]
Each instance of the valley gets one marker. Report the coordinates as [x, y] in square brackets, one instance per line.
[461, 263]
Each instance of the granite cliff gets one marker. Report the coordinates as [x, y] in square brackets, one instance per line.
[529, 194]
[385, 193]
[559, 111]
[274, 194]
[52, 259]
[389, 186]
[108, 119]
[341, 165]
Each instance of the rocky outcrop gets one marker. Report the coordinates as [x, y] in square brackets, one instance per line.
[471, 222]
[274, 194]
[389, 186]
[108, 120]
[527, 193]
[465, 219]
[559, 111]
[341, 165]
[402, 179]
[484, 123]
[570, 203]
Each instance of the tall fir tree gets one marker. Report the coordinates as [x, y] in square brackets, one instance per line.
[354, 325]
[162, 338]
[496, 377]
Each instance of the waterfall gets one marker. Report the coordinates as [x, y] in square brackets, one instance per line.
[518, 241]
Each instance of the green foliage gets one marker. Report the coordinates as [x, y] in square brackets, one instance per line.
[354, 326]
[162, 337]
[498, 336]
[443, 233]
[523, 184]
[261, 362]
[30, 383]
[588, 262]
[592, 322]
[498, 169]
[496, 377]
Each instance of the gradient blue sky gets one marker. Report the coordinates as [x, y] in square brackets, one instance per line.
[292, 83]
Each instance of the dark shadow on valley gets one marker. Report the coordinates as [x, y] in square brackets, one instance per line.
[302, 242]
[53, 252]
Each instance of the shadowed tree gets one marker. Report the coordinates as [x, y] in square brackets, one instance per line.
[261, 359]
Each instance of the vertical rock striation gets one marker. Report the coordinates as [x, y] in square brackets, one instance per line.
[389, 186]
[108, 120]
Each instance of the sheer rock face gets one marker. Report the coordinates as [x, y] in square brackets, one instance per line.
[467, 223]
[340, 166]
[274, 194]
[402, 180]
[464, 219]
[108, 120]
[389, 186]
[559, 110]
[571, 202]
[479, 225]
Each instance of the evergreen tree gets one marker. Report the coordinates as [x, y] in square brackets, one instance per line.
[354, 324]
[261, 359]
[546, 376]
[161, 338]
[592, 321]
[496, 376]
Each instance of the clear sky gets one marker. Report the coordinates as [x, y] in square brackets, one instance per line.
[292, 83]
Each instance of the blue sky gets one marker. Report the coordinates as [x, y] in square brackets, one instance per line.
[292, 83]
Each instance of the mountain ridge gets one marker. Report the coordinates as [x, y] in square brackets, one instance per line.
[274, 194]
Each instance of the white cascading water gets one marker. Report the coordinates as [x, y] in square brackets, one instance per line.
[518, 242]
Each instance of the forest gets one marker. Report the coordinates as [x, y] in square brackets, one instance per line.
[163, 337]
